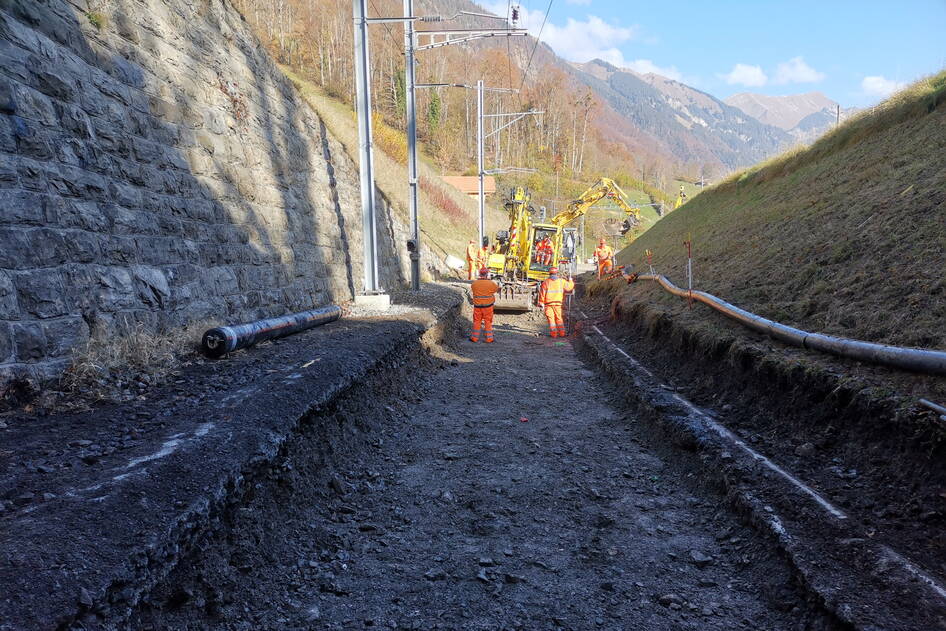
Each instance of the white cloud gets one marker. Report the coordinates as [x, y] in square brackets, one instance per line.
[576, 40]
[795, 70]
[744, 74]
[643, 66]
[880, 86]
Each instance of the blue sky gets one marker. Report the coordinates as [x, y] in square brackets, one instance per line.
[855, 52]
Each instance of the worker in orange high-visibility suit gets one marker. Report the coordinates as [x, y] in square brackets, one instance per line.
[483, 255]
[544, 249]
[604, 257]
[484, 296]
[472, 259]
[551, 296]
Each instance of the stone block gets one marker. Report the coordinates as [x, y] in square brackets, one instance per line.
[22, 208]
[94, 288]
[75, 121]
[111, 88]
[121, 250]
[34, 106]
[71, 181]
[9, 309]
[32, 174]
[7, 135]
[83, 247]
[40, 293]
[125, 195]
[7, 351]
[83, 215]
[64, 334]
[16, 248]
[55, 84]
[146, 151]
[7, 97]
[151, 286]
[76, 153]
[30, 140]
[29, 341]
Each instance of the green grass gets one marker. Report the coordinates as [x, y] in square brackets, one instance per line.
[96, 19]
[689, 188]
[846, 237]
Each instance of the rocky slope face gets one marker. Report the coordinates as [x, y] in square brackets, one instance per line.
[156, 168]
[691, 125]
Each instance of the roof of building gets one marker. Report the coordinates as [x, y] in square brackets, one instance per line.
[469, 184]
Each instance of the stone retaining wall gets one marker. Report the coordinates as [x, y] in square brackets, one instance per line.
[156, 168]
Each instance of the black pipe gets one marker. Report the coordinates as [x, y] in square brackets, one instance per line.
[221, 340]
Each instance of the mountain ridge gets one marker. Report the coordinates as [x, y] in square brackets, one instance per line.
[694, 126]
[805, 116]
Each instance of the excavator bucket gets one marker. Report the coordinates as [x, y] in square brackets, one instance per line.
[517, 298]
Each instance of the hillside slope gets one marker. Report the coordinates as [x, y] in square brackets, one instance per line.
[847, 237]
[448, 218]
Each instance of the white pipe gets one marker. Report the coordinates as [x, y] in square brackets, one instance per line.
[915, 359]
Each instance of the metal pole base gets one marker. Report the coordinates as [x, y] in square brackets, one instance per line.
[374, 302]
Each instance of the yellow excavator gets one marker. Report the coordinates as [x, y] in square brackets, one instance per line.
[528, 249]
[681, 199]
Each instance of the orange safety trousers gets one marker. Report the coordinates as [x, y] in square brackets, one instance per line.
[471, 273]
[484, 316]
[553, 313]
[604, 267]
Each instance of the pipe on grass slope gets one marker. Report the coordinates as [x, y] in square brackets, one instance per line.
[915, 359]
[221, 340]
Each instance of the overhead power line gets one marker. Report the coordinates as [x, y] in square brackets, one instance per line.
[538, 37]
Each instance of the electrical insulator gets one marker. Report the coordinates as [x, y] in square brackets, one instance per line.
[515, 15]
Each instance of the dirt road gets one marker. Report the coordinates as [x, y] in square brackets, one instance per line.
[505, 488]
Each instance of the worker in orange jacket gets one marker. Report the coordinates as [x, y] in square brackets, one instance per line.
[544, 251]
[484, 296]
[604, 257]
[552, 294]
[483, 254]
[472, 259]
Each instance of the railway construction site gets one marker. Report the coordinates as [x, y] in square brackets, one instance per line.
[242, 383]
[385, 472]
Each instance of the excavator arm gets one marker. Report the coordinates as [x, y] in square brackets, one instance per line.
[604, 187]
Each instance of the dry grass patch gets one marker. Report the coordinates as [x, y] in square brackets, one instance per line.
[846, 237]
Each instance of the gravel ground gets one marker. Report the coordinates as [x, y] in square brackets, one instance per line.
[503, 487]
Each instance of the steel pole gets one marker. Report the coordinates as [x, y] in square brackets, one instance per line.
[479, 159]
[366, 161]
[411, 143]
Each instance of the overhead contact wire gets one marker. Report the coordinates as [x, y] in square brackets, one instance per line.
[538, 37]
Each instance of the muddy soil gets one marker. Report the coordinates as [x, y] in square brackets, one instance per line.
[499, 487]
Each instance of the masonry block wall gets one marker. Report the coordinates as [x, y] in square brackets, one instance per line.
[156, 169]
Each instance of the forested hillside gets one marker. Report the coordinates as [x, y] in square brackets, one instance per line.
[581, 135]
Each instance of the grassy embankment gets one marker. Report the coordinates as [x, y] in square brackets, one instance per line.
[846, 237]
[447, 216]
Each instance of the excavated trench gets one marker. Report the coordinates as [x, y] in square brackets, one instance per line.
[467, 486]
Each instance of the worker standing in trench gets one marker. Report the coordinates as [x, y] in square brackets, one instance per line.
[604, 257]
[483, 291]
[551, 296]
